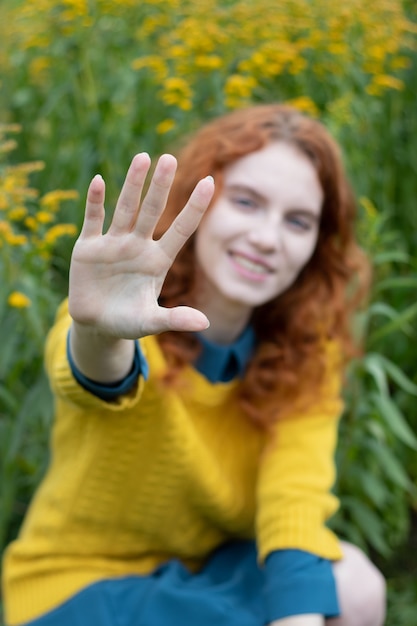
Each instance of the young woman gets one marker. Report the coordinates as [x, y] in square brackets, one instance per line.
[197, 368]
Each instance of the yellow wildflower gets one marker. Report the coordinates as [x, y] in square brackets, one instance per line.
[369, 206]
[11, 182]
[5, 228]
[297, 65]
[12, 186]
[153, 63]
[258, 61]
[305, 104]
[8, 146]
[18, 300]
[165, 126]
[42, 41]
[52, 199]
[17, 214]
[10, 128]
[400, 63]
[59, 230]
[4, 202]
[240, 86]
[31, 223]
[151, 24]
[177, 92]
[38, 68]
[28, 168]
[337, 48]
[384, 80]
[77, 7]
[44, 217]
[377, 51]
[15, 240]
[178, 51]
[208, 62]
[174, 83]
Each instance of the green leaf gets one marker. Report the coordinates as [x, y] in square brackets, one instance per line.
[391, 256]
[398, 376]
[8, 402]
[396, 282]
[382, 308]
[398, 322]
[390, 465]
[373, 364]
[395, 420]
[375, 489]
[369, 522]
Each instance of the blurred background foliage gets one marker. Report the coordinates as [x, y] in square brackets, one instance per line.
[84, 84]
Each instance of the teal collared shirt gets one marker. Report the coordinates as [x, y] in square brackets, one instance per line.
[221, 363]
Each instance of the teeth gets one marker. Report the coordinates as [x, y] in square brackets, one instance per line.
[251, 265]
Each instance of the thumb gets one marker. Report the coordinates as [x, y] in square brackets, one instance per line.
[186, 319]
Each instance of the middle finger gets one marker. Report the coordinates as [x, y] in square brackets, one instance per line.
[155, 200]
[126, 211]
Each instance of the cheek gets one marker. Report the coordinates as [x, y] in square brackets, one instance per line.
[302, 250]
[216, 231]
[205, 245]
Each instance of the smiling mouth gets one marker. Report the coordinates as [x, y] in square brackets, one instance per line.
[250, 265]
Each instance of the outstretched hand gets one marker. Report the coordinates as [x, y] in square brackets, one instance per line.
[116, 277]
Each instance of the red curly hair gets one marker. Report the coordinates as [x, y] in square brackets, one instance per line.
[293, 328]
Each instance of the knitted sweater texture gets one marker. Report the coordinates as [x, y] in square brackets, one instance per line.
[166, 473]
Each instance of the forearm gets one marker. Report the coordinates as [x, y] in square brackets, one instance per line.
[300, 620]
[101, 358]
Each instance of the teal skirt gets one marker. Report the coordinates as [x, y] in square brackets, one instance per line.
[228, 591]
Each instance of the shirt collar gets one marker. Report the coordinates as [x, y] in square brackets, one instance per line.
[222, 363]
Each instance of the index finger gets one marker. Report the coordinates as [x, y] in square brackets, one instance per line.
[188, 220]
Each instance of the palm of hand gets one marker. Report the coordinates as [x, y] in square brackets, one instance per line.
[116, 277]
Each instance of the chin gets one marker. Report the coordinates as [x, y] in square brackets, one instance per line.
[248, 302]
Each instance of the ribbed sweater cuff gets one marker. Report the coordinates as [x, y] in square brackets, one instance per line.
[301, 527]
[112, 391]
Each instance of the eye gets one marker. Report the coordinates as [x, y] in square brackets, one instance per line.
[301, 222]
[244, 202]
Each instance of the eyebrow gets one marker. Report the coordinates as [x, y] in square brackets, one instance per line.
[310, 213]
[245, 189]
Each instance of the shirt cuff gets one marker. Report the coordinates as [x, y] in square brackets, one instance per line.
[106, 391]
[299, 583]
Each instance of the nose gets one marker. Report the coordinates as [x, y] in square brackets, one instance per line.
[266, 235]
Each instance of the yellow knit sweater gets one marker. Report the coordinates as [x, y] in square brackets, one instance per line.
[165, 473]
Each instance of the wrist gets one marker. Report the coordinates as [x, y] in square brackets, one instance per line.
[99, 356]
[89, 332]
